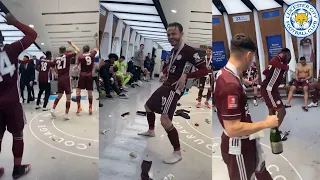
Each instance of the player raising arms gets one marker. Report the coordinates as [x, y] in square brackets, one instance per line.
[12, 116]
[44, 67]
[86, 62]
[64, 86]
[164, 100]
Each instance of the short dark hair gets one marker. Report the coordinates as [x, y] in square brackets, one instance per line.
[122, 57]
[141, 45]
[285, 50]
[115, 68]
[48, 54]
[26, 57]
[241, 43]
[62, 49]
[113, 56]
[86, 48]
[302, 58]
[176, 25]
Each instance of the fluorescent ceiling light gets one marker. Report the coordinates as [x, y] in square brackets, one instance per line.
[153, 33]
[215, 11]
[145, 24]
[7, 27]
[12, 33]
[154, 36]
[148, 29]
[235, 6]
[138, 17]
[130, 8]
[31, 25]
[12, 38]
[265, 4]
[174, 11]
[132, 1]
[42, 43]
[289, 2]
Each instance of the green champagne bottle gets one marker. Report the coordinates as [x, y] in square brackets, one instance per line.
[276, 142]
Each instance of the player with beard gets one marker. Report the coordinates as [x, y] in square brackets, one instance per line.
[64, 86]
[12, 117]
[44, 67]
[275, 75]
[240, 145]
[202, 81]
[86, 63]
[164, 100]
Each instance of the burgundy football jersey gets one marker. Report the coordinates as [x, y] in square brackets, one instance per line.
[86, 62]
[229, 96]
[186, 59]
[251, 73]
[63, 64]
[275, 74]
[44, 67]
[9, 91]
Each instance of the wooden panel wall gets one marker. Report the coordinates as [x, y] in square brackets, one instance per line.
[219, 34]
[245, 27]
[102, 23]
[270, 27]
[114, 27]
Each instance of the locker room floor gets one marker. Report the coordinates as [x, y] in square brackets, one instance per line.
[300, 159]
[121, 139]
[57, 149]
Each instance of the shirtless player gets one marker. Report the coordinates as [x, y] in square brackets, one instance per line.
[239, 152]
[64, 86]
[86, 62]
[164, 100]
[12, 117]
[303, 75]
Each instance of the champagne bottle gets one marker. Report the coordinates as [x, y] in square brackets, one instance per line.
[276, 142]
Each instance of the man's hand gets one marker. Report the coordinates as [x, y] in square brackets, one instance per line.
[31, 83]
[69, 42]
[10, 19]
[271, 121]
[180, 84]
[75, 68]
[112, 80]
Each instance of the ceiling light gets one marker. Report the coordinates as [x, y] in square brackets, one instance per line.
[42, 43]
[174, 11]
[31, 25]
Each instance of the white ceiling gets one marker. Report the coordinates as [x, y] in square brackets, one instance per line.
[63, 20]
[194, 17]
[238, 6]
[142, 15]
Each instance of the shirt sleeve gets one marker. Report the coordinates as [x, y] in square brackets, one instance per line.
[70, 55]
[22, 44]
[228, 104]
[275, 62]
[197, 61]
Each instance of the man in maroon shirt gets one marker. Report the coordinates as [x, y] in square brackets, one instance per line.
[64, 86]
[86, 63]
[250, 79]
[238, 151]
[164, 100]
[275, 75]
[12, 117]
[44, 67]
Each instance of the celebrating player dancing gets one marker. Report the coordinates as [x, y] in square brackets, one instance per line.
[202, 81]
[164, 100]
[86, 63]
[64, 86]
[240, 146]
[45, 69]
[12, 116]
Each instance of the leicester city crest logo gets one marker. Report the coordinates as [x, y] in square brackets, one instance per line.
[301, 19]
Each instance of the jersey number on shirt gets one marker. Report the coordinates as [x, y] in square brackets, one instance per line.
[44, 66]
[62, 63]
[6, 67]
[88, 60]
